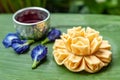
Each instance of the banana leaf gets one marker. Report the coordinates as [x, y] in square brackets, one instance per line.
[18, 67]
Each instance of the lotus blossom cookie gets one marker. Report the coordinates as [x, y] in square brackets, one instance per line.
[82, 49]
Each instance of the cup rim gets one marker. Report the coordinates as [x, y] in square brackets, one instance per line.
[27, 8]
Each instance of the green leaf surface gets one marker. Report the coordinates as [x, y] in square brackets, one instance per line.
[18, 67]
